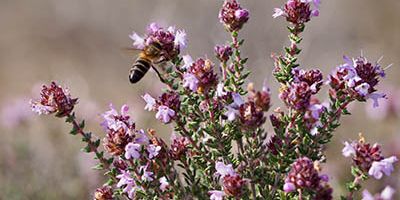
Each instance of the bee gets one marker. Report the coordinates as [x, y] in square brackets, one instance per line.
[149, 56]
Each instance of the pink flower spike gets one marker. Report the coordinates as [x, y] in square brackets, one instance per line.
[138, 41]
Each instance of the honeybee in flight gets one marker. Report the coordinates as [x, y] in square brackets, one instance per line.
[149, 56]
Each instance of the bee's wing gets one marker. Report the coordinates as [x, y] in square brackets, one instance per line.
[131, 51]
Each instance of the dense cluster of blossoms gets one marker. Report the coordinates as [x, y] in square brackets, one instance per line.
[368, 158]
[298, 11]
[213, 114]
[233, 16]
[54, 99]
[172, 41]
[357, 79]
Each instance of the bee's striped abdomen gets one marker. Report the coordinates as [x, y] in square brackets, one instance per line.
[139, 69]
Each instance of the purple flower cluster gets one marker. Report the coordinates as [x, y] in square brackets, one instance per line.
[305, 84]
[172, 41]
[251, 112]
[54, 99]
[233, 16]
[303, 175]
[166, 106]
[200, 76]
[369, 158]
[231, 182]
[298, 11]
[223, 52]
[132, 146]
[357, 78]
[179, 147]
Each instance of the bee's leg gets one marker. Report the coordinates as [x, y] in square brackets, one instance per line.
[161, 60]
[159, 75]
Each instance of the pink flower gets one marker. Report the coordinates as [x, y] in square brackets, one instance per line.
[216, 195]
[180, 39]
[129, 182]
[165, 114]
[150, 102]
[115, 121]
[190, 81]
[386, 194]
[147, 175]
[224, 170]
[289, 187]
[348, 149]
[132, 150]
[362, 89]
[187, 61]
[278, 12]
[163, 183]
[384, 166]
[153, 150]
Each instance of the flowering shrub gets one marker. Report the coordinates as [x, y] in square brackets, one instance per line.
[219, 148]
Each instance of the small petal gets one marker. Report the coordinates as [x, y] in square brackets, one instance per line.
[138, 41]
[180, 39]
[150, 102]
[163, 183]
[216, 195]
[387, 193]
[278, 12]
[190, 81]
[187, 61]
[289, 187]
[348, 149]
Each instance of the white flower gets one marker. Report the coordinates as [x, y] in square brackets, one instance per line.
[278, 12]
[220, 90]
[187, 61]
[180, 39]
[348, 149]
[362, 89]
[163, 183]
[138, 41]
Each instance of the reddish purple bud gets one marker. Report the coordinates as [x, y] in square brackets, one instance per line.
[233, 185]
[104, 193]
[233, 16]
[223, 52]
[54, 99]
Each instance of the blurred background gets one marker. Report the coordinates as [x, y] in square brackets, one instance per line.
[78, 43]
